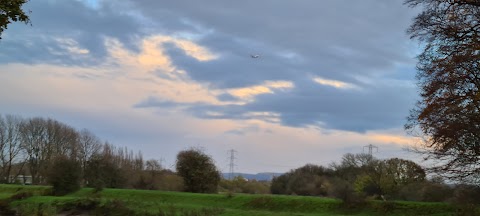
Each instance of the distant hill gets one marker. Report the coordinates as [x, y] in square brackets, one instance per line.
[266, 176]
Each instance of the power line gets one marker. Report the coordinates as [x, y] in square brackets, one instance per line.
[370, 149]
[232, 165]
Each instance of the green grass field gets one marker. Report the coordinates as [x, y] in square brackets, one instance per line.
[176, 203]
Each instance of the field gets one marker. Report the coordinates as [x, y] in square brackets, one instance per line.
[30, 200]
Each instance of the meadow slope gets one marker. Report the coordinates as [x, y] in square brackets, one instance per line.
[34, 200]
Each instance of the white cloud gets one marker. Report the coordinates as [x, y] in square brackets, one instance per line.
[153, 56]
[268, 87]
[334, 83]
[71, 46]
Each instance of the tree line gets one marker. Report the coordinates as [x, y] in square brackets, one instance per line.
[361, 177]
[359, 174]
[56, 154]
[37, 147]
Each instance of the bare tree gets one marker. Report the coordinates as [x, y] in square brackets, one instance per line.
[10, 148]
[88, 146]
[61, 139]
[34, 139]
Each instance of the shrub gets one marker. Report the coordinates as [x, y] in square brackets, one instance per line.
[466, 199]
[64, 176]
[344, 191]
[385, 207]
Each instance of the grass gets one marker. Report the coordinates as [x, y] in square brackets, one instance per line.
[177, 203]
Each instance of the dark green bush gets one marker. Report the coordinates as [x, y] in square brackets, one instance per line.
[64, 176]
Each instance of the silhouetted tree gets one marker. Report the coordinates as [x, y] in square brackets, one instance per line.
[33, 141]
[10, 148]
[88, 146]
[448, 113]
[198, 171]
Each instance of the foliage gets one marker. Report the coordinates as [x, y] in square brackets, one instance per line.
[241, 185]
[170, 181]
[199, 173]
[467, 199]
[447, 115]
[365, 184]
[353, 165]
[11, 11]
[64, 176]
[101, 172]
[385, 207]
[345, 191]
[404, 171]
[425, 192]
[467, 194]
[309, 180]
[398, 173]
[373, 177]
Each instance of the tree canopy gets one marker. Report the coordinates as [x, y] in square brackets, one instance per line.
[198, 171]
[11, 11]
[448, 113]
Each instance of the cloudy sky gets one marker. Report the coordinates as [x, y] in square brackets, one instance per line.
[161, 76]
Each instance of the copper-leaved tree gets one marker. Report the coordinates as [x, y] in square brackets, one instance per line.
[448, 113]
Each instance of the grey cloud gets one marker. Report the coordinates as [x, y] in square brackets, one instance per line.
[339, 39]
[330, 33]
[378, 107]
[156, 102]
[244, 130]
[336, 39]
[227, 97]
[66, 19]
[235, 68]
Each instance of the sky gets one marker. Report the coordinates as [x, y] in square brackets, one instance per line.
[161, 76]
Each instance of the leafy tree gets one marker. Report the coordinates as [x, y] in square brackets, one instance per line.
[387, 177]
[148, 178]
[353, 165]
[102, 172]
[11, 11]
[198, 171]
[448, 113]
[345, 191]
[279, 184]
[65, 176]
[309, 180]
[404, 171]
[367, 185]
